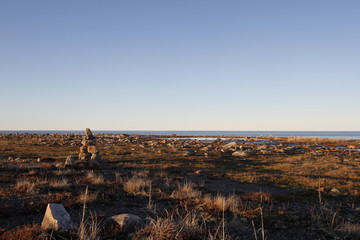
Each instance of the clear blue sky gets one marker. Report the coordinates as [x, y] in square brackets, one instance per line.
[180, 65]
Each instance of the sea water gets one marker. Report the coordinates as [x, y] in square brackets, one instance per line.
[321, 134]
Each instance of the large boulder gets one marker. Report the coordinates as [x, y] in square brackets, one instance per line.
[56, 218]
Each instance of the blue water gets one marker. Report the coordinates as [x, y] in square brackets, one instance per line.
[323, 134]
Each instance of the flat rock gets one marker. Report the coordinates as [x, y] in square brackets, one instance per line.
[56, 218]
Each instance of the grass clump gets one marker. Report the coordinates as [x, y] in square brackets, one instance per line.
[89, 197]
[175, 225]
[94, 178]
[63, 183]
[222, 203]
[186, 190]
[136, 185]
[25, 186]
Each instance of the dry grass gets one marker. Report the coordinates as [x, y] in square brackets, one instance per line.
[89, 229]
[94, 178]
[175, 225]
[90, 197]
[63, 183]
[24, 232]
[349, 230]
[313, 140]
[136, 185]
[25, 186]
[186, 190]
[222, 203]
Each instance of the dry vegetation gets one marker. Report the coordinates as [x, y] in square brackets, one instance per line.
[282, 188]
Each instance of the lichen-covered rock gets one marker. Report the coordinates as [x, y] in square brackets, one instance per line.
[56, 218]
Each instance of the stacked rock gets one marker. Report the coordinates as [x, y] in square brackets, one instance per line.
[88, 150]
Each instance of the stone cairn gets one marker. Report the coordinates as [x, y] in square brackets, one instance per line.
[88, 151]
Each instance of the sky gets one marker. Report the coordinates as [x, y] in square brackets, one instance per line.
[180, 65]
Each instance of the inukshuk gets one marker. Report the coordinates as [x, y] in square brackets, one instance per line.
[88, 150]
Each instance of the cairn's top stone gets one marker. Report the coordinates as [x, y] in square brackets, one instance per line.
[88, 132]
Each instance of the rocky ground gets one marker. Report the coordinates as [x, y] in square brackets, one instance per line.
[181, 188]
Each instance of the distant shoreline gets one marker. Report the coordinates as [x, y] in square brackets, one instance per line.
[320, 134]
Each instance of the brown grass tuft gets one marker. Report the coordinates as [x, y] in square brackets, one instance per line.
[186, 190]
[90, 197]
[25, 186]
[136, 185]
[94, 179]
[63, 183]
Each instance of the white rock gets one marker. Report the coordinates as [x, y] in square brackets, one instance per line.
[56, 218]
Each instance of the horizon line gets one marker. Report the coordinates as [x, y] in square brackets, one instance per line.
[96, 130]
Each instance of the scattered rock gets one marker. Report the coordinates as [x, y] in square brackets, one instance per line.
[239, 154]
[265, 152]
[186, 154]
[125, 223]
[200, 172]
[56, 218]
[229, 146]
[60, 165]
[334, 192]
[69, 161]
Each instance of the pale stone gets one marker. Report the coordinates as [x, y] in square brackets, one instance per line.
[69, 161]
[56, 218]
[231, 145]
[92, 149]
[239, 154]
